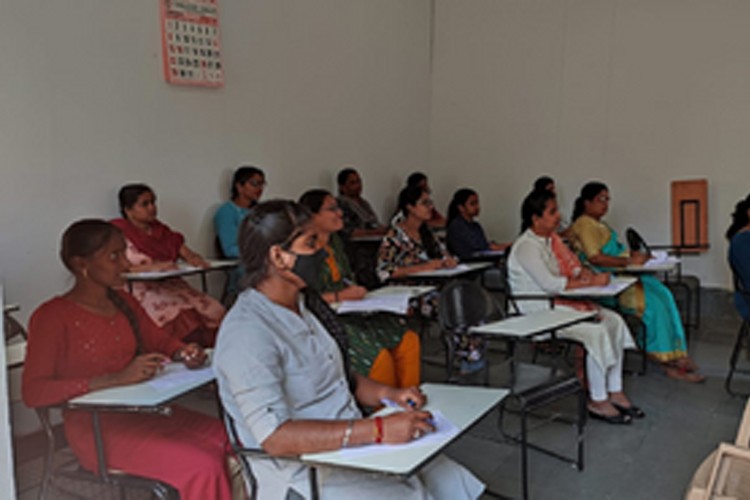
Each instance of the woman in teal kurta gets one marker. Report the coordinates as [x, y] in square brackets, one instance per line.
[381, 346]
[650, 300]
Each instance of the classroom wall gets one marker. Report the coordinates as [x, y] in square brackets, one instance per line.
[310, 87]
[636, 93]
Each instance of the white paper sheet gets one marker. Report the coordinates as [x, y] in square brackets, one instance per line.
[177, 374]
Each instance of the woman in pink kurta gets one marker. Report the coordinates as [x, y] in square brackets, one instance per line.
[92, 338]
[181, 310]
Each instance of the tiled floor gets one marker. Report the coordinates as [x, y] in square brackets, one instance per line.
[653, 458]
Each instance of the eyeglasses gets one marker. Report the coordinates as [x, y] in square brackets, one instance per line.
[603, 198]
[426, 203]
[332, 208]
[257, 184]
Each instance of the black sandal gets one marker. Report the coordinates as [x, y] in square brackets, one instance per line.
[631, 410]
[619, 419]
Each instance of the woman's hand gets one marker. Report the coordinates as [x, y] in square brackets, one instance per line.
[196, 260]
[192, 355]
[162, 266]
[637, 258]
[410, 398]
[449, 262]
[352, 292]
[600, 279]
[405, 426]
[143, 367]
[430, 265]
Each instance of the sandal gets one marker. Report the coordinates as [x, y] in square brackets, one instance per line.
[685, 364]
[631, 410]
[684, 374]
[619, 419]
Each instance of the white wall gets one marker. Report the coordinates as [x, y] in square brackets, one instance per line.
[636, 93]
[310, 86]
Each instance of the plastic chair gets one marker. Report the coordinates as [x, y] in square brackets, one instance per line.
[465, 304]
[71, 470]
[743, 336]
[12, 327]
[243, 453]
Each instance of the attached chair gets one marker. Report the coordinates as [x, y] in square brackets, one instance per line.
[466, 304]
[70, 470]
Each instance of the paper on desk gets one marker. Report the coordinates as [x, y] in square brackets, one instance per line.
[444, 430]
[397, 303]
[177, 374]
[659, 258]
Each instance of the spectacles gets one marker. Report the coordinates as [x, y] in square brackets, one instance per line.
[426, 203]
[257, 184]
[332, 208]
[603, 198]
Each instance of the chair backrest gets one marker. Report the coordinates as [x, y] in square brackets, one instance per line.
[636, 243]
[218, 249]
[12, 327]
[739, 284]
[464, 304]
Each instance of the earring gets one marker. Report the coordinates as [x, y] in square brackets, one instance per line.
[85, 273]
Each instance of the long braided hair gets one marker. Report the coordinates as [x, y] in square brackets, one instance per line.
[84, 238]
[280, 222]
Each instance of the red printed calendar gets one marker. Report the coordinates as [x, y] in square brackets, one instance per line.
[191, 47]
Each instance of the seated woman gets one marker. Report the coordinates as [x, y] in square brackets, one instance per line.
[539, 261]
[650, 300]
[419, 180]
[94, 337]
[547, 183]
[359, 217]
[738, 235]
[284, 376]
[184, 312]
[247, 188]
[465, 236]
[381, 346]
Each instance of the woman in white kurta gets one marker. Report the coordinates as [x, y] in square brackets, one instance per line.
[533, 266]
[283, 379]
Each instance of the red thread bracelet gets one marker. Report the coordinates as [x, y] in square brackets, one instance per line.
[378, 430]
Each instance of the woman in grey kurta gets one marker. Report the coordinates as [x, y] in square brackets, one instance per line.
[283, 379]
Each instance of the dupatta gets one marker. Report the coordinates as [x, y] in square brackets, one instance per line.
[160, 242]
[570, 267]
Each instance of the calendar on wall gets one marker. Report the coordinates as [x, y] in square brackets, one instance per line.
[191, 47]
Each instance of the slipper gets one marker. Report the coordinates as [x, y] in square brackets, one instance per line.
[631, 410]
[685, 375]
[618, 419]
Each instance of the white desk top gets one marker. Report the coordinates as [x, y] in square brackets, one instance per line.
[392, 299]
[15, 354]
[616, 286]
[182, 270]
[655, 266]
[462, 405]
[533, 323]
[462, 268]
[9, 308]
[174, 381]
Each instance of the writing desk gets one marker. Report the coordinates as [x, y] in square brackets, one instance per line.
[182, 270]
[392, 299]
[463, 406]
[10, 308]
[533, 323]
[654, 266]
[447, 273]
[367, 238]
[616, 286]
[15, 354]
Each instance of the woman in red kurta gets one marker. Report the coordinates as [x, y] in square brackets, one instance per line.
[92, 338]
[184, 312]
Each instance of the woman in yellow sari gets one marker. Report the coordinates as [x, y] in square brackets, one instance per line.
[650, 300]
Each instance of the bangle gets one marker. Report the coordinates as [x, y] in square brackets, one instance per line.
[347, 433]
[378, 430]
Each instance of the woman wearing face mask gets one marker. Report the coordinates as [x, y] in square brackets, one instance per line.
[465, 236]
[539, 261]
[381, 346]
[284, 375]
[650, 300]
[181, 310]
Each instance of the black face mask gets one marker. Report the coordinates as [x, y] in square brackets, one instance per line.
[307, 267]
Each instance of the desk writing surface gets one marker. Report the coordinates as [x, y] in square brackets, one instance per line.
[392, 299]
[461, 405]
[462, 268]
[664, 265]
[183, 269]
[616, 286]
[9, 308]
[173, 381]
[534, 323]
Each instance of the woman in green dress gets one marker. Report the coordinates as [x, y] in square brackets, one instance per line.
[382, 346]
